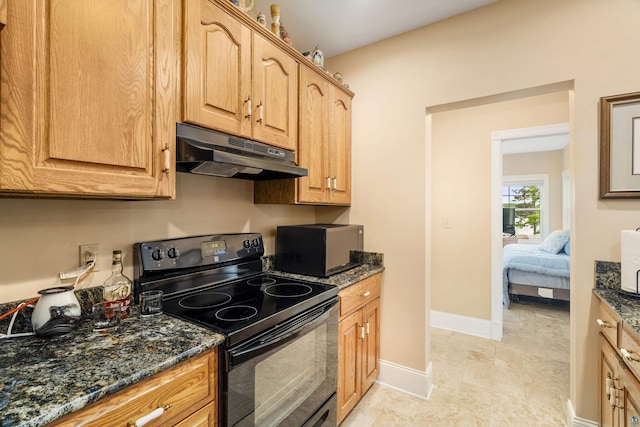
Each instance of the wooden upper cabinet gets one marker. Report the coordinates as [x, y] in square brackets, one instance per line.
[275, 95]
[88, 98]
[314, 135]
[217, 69]
[324, 147]
[325, 141]
[340, 148]
[235, 80]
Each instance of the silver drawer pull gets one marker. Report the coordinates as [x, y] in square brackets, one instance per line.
[628, 355]
[603, 324]
[366, 294]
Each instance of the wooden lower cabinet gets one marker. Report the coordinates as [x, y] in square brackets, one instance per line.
[358, 343]
[618, 363]
[188, 392]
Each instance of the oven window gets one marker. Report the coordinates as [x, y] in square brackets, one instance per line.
[287, 378]
[288, 383]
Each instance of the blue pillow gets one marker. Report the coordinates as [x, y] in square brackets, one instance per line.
[567, 249]
[554, 243]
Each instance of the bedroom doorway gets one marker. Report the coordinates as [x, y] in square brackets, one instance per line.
[539, 138]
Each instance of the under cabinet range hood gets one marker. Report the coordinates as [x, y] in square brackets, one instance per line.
[208, 152]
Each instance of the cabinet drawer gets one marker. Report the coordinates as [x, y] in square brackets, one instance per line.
[356, 296]
[609, 324]
[630, 351]
[185, 388]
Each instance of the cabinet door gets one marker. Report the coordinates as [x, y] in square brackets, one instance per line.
[274, 95]
[205, 417]
[217, 78]
[371, 344]
[608, 372]
[340, 148]
[314, 136]
[88, 97]
[630, 410]
[349, 363]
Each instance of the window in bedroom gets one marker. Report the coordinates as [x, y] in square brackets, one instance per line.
[528, 195]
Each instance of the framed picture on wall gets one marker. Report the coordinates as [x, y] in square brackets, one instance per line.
[620, 146]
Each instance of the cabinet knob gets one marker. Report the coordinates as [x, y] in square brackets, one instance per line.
[335, 184]
[362, 332]
[329, 183]
[366, 294]
[603, 324]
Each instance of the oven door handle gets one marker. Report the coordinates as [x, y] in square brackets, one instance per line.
[282, 334]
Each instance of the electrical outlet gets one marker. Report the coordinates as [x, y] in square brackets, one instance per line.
[89, 252]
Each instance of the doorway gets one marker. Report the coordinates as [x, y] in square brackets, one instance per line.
[513, 141]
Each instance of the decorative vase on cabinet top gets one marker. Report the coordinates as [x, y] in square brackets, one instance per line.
[57, 312]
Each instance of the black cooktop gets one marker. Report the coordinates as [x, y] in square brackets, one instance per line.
[242, 309]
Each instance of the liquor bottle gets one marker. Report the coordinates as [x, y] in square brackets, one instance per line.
[118, 286]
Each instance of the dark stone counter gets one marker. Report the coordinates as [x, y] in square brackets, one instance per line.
[371, 263]
[43, 379]
[607, 289]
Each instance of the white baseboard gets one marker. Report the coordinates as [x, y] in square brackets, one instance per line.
[466, 325]
[406, 380]
[573, 421]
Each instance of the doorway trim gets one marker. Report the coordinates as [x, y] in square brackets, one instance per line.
[497, 140]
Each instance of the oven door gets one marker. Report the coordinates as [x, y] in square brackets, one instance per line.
[286, 376]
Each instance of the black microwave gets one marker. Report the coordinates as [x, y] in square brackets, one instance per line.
[319, 250]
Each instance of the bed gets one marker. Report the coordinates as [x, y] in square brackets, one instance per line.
[537, 270]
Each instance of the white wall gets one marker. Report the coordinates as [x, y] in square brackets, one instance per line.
[507, 46]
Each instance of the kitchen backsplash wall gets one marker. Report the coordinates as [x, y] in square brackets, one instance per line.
[40, 237]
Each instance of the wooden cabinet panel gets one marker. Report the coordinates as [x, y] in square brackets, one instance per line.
[236, 81]
[217, 78]
[340, 148]
[349, 364]
[88, 97]
[371, 344]
[356, 296]
[630, 411]
[359, 344]
[314, 133]
[184, 389]
[608, 373]
[274, 95]
[630, 350]
[610, 326]
[205, 417]
[324, 147]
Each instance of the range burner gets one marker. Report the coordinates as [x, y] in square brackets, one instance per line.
[204, 300]
[261, 281]
[288, 290]
[236, 313]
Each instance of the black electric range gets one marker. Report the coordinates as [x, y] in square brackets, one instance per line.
[217, 282]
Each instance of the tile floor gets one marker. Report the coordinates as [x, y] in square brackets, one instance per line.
[522, 380]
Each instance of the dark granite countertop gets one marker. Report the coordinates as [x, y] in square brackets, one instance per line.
[607, 289]
[625, 307]
[371, 263]
[45, 378]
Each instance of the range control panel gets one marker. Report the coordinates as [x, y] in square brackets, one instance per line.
[198, 251]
